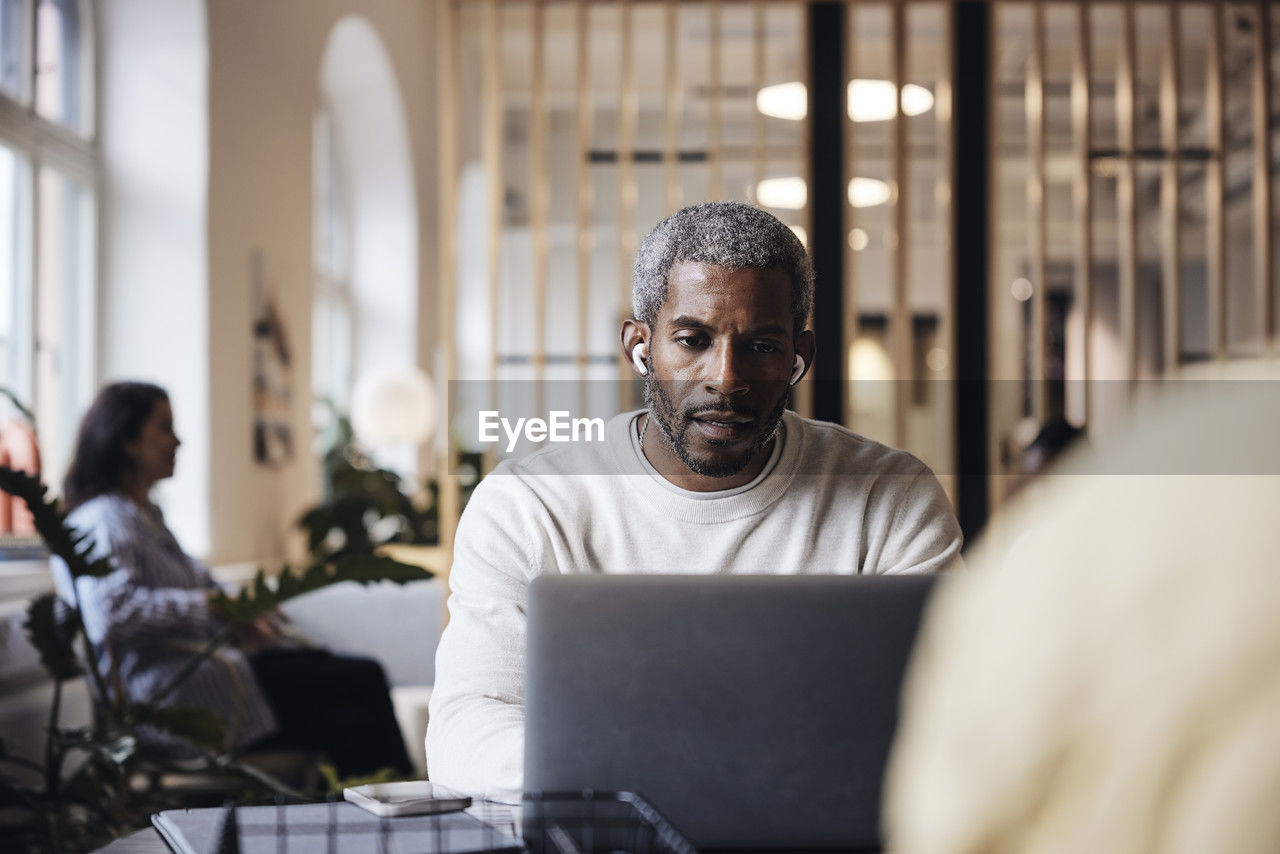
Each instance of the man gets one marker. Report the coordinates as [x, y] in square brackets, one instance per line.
[713, 476]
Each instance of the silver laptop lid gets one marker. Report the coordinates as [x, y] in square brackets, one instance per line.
[752, 711]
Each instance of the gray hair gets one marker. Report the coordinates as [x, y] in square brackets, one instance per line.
[726, 234]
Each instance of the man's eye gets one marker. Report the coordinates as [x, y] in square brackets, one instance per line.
[764, 347]
[691, 340]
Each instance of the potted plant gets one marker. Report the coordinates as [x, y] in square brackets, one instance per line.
[83, 791]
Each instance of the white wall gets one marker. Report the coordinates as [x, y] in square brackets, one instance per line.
[264, 73]
[368, 114]
[207, 142]
[154, 292]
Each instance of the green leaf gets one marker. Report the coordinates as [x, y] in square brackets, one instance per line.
[51, 524]
[259, 597]
[336, 784]
[199, 726]
[52, 625]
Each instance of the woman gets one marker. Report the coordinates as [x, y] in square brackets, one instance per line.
[146, 617]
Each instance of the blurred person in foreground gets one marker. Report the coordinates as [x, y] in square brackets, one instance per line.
[1109, 680]
[145, 619]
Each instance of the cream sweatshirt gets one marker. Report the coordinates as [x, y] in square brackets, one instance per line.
[1107, 677]
[828, 501]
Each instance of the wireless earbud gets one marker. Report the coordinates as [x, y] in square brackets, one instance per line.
[638, 354]
[797, 371]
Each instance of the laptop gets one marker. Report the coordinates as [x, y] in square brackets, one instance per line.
[753, 712]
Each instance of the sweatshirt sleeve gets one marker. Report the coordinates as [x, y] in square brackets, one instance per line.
[475, 731]
[923, 535]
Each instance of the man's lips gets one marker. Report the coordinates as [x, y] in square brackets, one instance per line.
[723, 426]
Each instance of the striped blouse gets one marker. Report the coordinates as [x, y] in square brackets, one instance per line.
[145, 618]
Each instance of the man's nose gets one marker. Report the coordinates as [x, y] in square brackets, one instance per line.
[726, 371]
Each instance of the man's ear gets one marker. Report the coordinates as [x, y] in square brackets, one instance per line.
[635, 345]
[806, 348]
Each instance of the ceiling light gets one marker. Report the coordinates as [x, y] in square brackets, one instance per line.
[868, 192]
[784, 193]
[784, 101]
[868, 362]
[1021, 289]
[858, 240]
[792, 194]
[868, 100]
[873, 100]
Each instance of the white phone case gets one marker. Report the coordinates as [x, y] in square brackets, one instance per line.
[413, 797]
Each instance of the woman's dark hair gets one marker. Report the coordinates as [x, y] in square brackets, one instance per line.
[114, 419]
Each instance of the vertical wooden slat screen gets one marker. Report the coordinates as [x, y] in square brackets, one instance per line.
[1170, 192]
[1082, 195]
[628, 108]
[447, 152]
[583, 199]
[900, 313]
[1126, 188]
[738, 145]
[541, 213]
[715, 99]
[1216, 184]
[491, 155]
[1263, 250]
[539, 199]
[759, 154]
[671, 95]
[1036, 210]
[1244, 27]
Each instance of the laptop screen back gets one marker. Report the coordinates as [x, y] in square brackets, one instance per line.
[753, 712]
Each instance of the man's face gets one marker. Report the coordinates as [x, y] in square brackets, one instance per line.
[721, 354]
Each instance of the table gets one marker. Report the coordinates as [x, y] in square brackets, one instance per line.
[505, 817]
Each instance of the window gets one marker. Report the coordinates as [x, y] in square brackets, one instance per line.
[62, 82]
[331, 313]
[365, 315]
[48, 218]
[14, 56]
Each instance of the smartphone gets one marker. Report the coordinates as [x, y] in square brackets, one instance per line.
[414, 797]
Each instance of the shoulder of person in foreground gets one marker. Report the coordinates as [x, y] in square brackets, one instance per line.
[1106, 680]
[908, 521]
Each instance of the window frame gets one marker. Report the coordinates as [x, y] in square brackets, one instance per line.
[45, 144]
[332, 290]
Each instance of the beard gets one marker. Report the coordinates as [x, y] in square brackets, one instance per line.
[674, 425]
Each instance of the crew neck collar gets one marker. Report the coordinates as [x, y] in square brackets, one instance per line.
[779, 442]
[708, 507]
